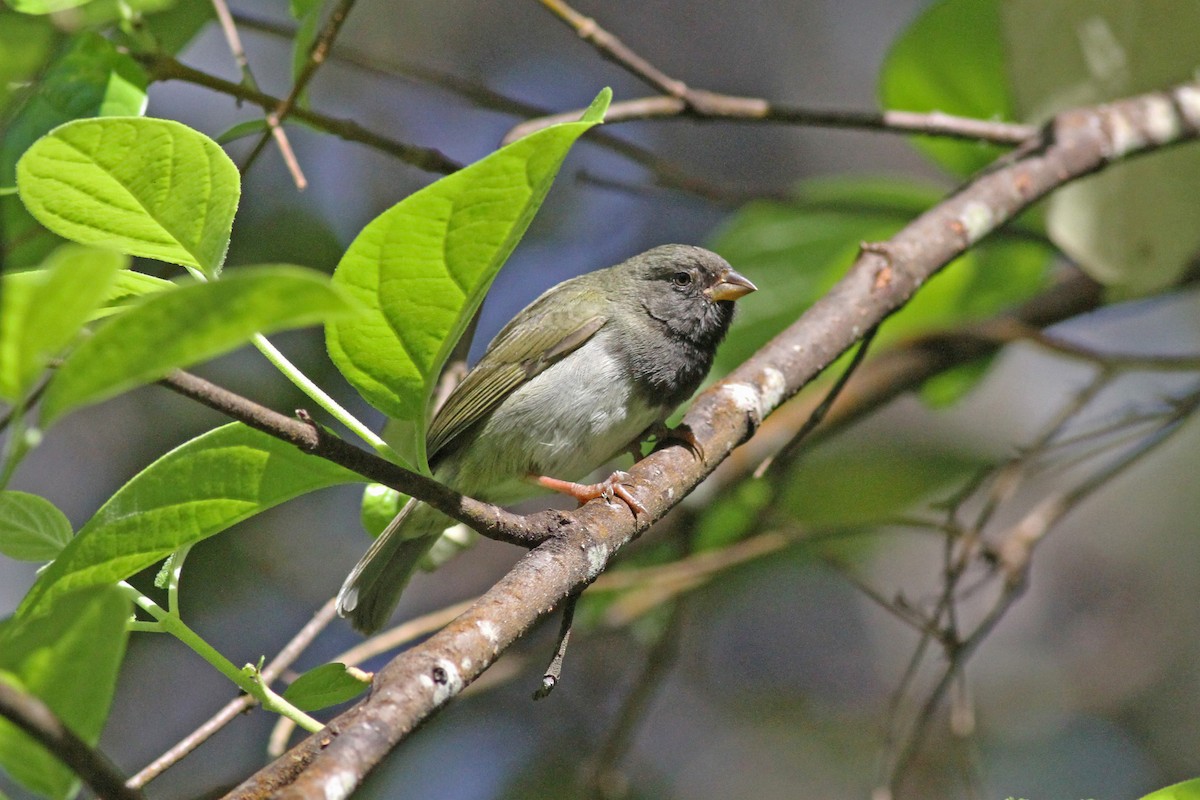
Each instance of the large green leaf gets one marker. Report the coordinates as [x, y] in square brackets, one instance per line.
[1187, 790]
[796, 251]
[951, 59]
[43, 310]
[44, 6]
[1136, 227]
[31, 527]
[423, 266]
[146, 187]
[69, 658]
[91, 79]
[187, 324]
[198, 489]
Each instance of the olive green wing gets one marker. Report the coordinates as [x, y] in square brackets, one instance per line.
[542, 334]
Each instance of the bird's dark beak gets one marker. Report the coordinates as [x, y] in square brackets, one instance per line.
[730, 287]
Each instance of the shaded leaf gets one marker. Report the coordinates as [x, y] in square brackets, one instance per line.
[68, 658]
[31, 527]
[91, 79]
[1136, 227]
[146, 187]
[951, 59]
[195, 491]
[423, 266]
[326, 685]
[25, 45]
[797, 251]
[42, 311]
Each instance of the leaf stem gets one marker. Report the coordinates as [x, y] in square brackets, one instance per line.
[331, 406]
[247, 679]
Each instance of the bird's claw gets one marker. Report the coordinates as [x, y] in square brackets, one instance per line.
[610, 487]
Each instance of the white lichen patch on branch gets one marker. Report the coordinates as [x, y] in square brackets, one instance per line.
[977, 220]
[746, 398]
[1187, 100]
[339, 785]
[597, 558]
[443, 681]
[774, 386]
[488, 630]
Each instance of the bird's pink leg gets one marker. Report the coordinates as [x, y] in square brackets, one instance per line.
[583, 492]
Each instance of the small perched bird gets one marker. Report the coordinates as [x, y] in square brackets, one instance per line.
[582, 373]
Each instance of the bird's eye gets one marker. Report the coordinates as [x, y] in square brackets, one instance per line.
[681, 278]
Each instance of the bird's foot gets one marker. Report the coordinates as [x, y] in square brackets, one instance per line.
[610, 487]
[662, 434]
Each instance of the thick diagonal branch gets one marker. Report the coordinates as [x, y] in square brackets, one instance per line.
[422, 680]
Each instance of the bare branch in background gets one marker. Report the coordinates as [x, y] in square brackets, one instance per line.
[681, 100]
[229, 29]
[316, 58]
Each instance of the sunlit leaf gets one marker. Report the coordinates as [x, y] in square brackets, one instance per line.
[187, 324]
[1135, 227]
[422, 268]
[195, 491]
[146, 187]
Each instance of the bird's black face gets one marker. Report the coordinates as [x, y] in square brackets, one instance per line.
[690, 292]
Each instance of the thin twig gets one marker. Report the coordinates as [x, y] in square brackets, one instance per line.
[487, 519]
[164, 68]
[381, 643]
[788, 453]
[553, 671]
[229, 29]
[680, 100]
[316, 58]
[240, 704]
[35, 718]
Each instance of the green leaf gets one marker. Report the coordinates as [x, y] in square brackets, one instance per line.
[91, 79]
[24, 242]
[380, 504]
[128, 287]
[195, 491]
[846, 485]
[184, 325]
[1134, 227]
[326, 685]
[146, 187]
[1187, 790]
[423, 266]
[951, 59]
[25, 45]
[31, 527]
[307, 14]
[69, 658]
[41, 312]
[806, 246]
[44, 6]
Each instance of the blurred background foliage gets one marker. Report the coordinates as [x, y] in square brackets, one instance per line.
[776, 673]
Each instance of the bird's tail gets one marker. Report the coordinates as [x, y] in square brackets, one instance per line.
[373, 587]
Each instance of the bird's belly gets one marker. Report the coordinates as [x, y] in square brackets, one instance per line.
[564, 423]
